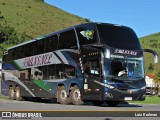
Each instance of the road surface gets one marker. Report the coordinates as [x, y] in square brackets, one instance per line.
[93, 112]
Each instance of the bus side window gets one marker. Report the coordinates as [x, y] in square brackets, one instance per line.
[19, 52]
[39, 47]
[12, 54]
[65, 71]
[59, 71]
[28, 49]
[67, 40]
[51, 43]
[39, 73]
[52, 72]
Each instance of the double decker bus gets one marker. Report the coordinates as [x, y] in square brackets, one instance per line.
[91, 62]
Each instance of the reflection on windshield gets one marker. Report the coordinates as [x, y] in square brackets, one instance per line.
[121, 66]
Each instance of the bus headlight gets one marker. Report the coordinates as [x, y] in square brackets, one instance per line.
[108, 86]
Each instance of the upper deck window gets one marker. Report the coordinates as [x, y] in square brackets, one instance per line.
[67, 40]
[118, 37]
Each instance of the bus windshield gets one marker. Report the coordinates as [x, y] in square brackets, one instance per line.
[126, 67]
[118, 37]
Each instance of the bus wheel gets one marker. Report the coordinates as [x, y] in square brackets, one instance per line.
[11, 93]
[112, 103]
[76, 96]
[62, 96]
[18, 94]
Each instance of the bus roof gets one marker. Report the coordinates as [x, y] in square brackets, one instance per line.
[57, 32]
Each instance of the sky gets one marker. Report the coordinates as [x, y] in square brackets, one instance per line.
[141, 15]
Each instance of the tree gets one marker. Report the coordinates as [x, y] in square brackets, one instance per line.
[8, 34]
[157, 79]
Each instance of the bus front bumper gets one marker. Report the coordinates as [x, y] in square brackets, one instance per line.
[124, 95]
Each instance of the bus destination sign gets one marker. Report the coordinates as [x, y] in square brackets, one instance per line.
[125, 52]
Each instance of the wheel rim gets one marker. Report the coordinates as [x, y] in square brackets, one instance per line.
[17, 94]
[76, 95]
[12, 93]
[63, 95]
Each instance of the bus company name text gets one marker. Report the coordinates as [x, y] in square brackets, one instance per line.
[38, 60]
[127, 52]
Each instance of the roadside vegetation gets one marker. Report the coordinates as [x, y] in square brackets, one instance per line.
[151, 42]
[149, 100]
[23, 20]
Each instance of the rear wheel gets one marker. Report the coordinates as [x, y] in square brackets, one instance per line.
[62, 96]
[112, 103]
[11, 93]
[18, 94]
[76, 96]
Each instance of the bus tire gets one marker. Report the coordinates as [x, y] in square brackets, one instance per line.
[62, 96]
[112, 103]
[18, 94]
[11, 93]
[76, 96]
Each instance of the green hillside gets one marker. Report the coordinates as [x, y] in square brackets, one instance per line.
[23, 20]
[152, 42]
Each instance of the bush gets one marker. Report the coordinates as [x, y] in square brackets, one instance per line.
[8, 34]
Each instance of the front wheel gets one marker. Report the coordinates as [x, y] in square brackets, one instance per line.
[62, 96]
[112, 103]
[76, 96]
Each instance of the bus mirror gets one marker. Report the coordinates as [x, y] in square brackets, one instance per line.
[154, 53]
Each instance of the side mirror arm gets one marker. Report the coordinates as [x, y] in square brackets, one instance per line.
[154, 53]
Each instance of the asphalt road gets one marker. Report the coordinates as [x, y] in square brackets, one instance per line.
[93, 112]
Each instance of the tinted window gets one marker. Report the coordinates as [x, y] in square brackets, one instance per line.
[11, 54]
[87, 34]
[39, 47]
[28, 49]
[51, 43]
[52, 72]
[65, 71]
[118, 37]
[19, 52]
[67, 40]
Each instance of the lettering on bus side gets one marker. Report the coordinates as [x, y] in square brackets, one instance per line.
[38, 60]
[128, 52]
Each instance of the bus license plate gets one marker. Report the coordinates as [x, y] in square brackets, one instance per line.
[128, 98]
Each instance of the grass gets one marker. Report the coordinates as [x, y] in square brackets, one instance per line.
[4, 97]
[148, 100]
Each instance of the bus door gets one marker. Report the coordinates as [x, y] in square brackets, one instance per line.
[92, 78]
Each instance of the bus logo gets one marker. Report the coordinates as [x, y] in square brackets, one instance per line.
[88, 34]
